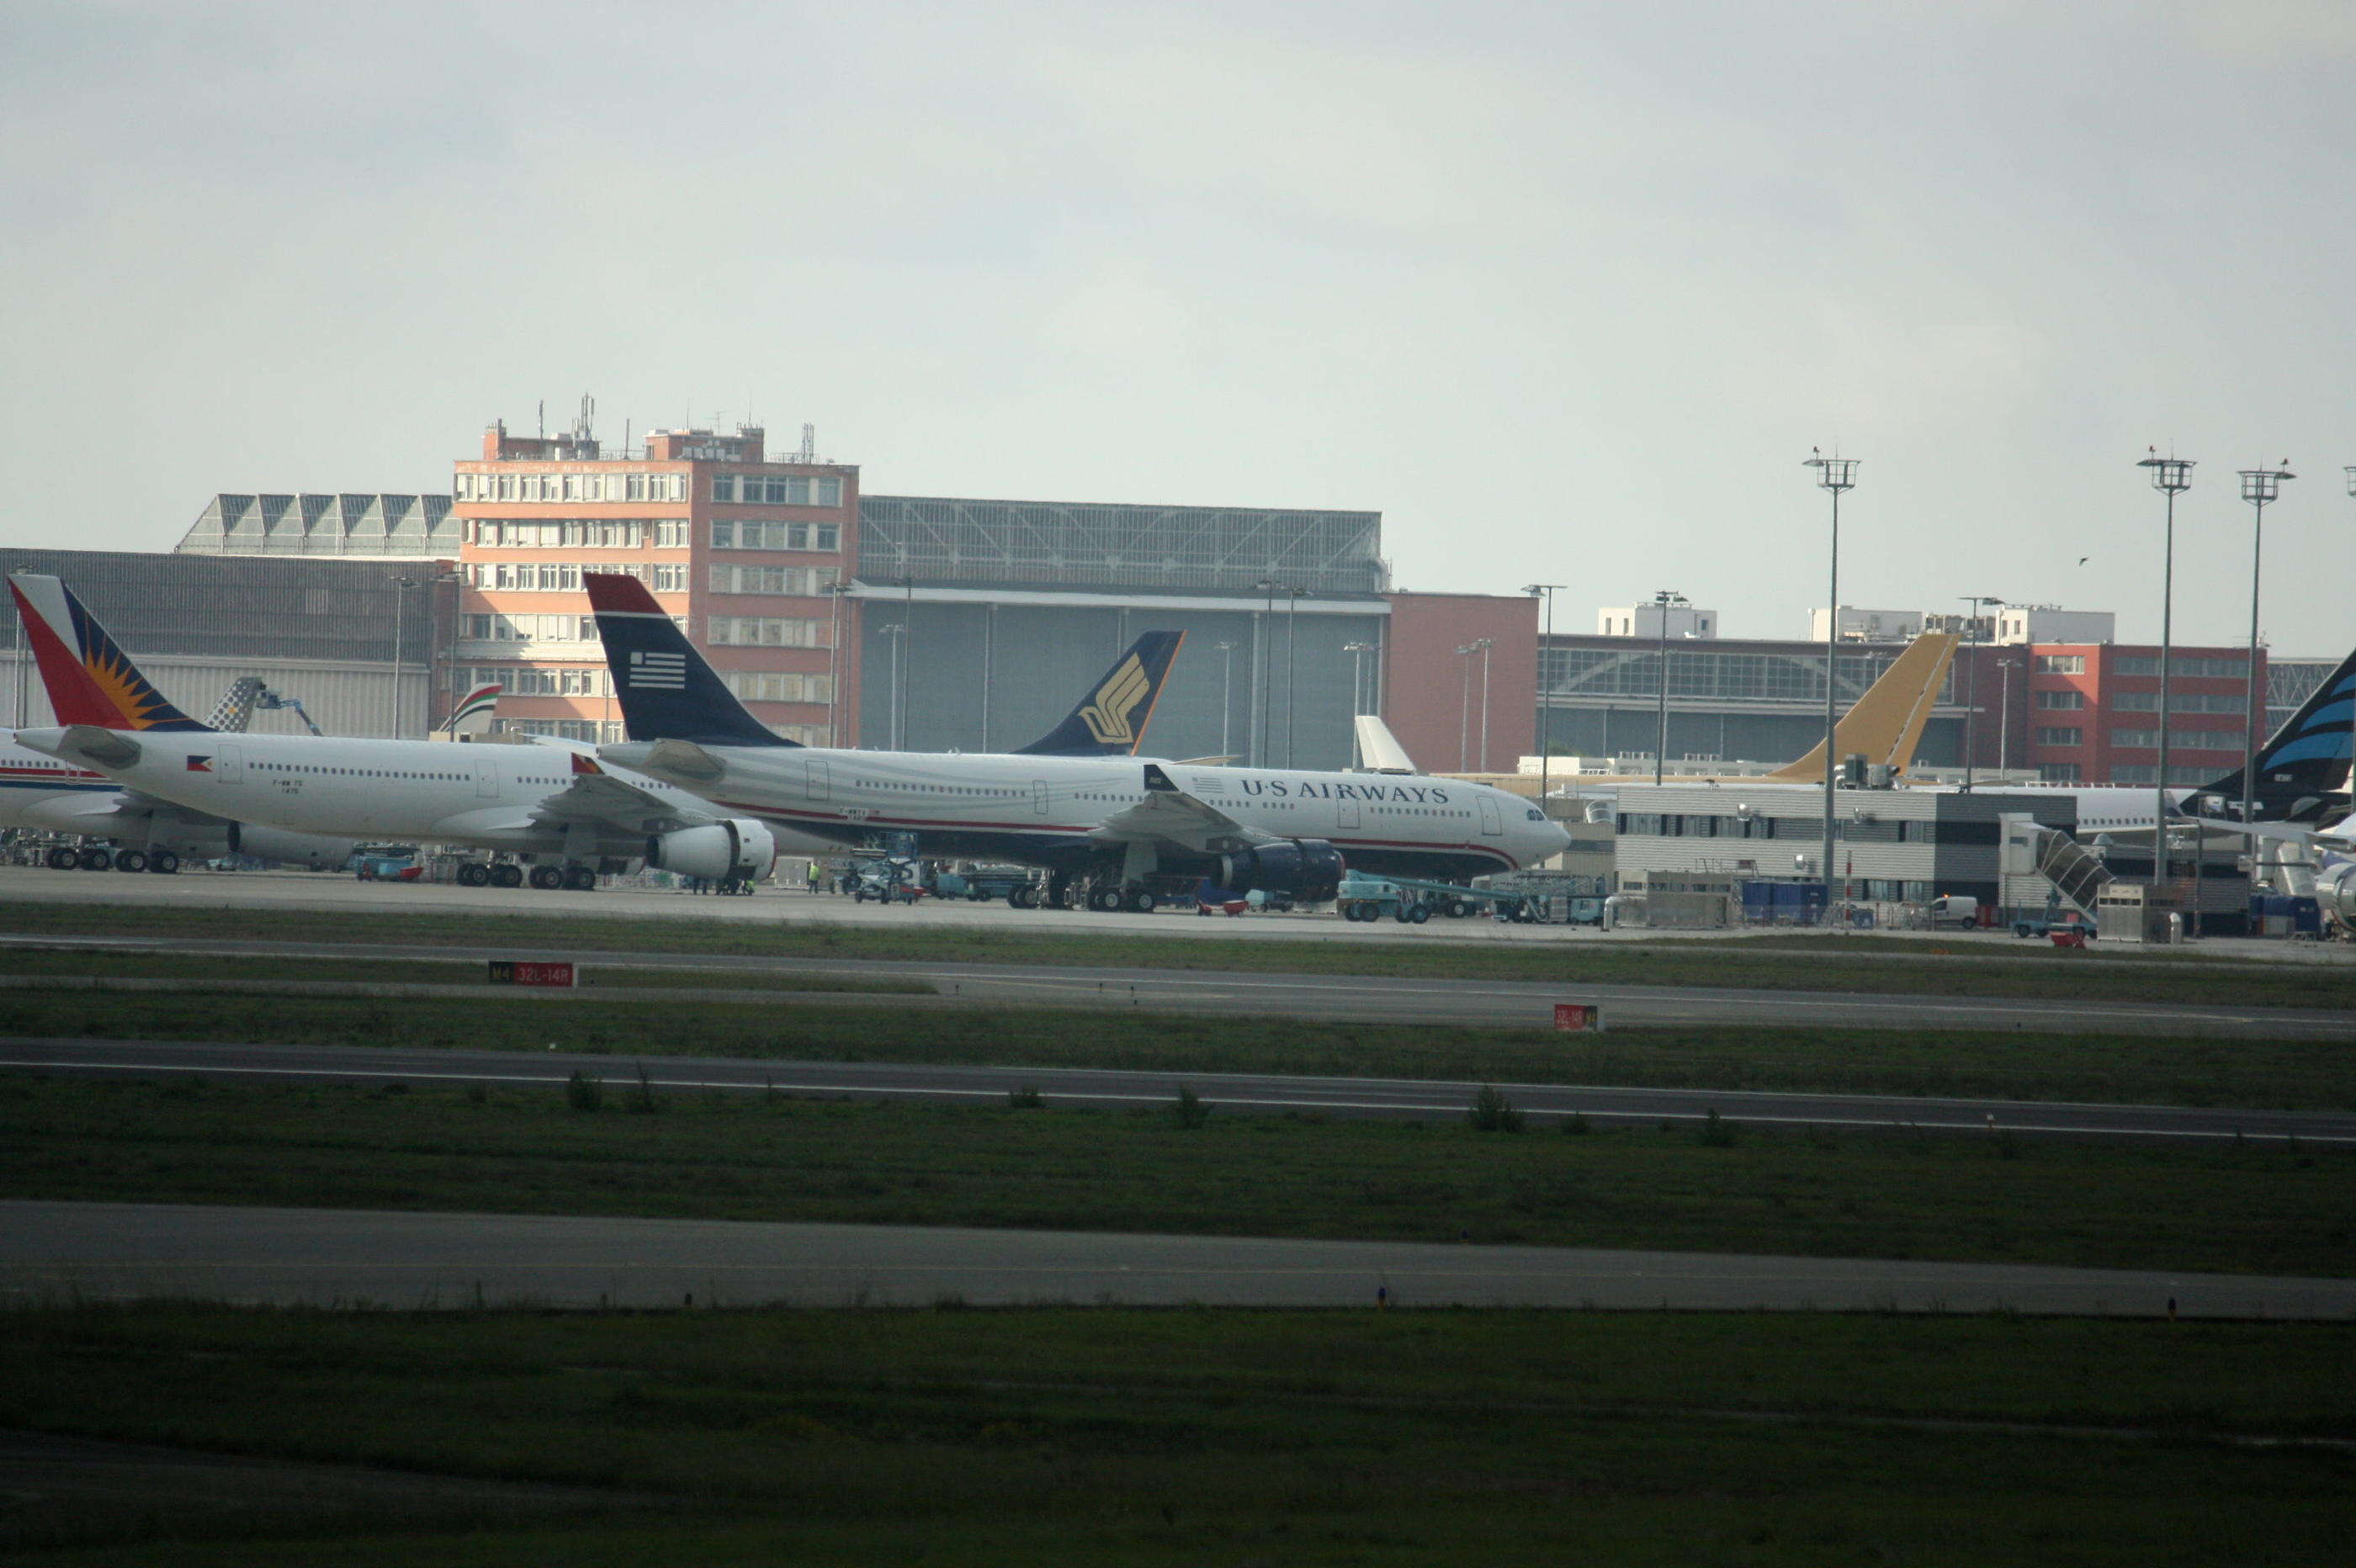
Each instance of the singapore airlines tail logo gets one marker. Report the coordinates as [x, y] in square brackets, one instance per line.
[1107, 717]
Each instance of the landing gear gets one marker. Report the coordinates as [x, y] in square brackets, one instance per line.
[1139, 900]
[579, 880]
[163, 862]
[506, 876]
[547, 878]
[1023, 895]
[95, 858]
[473, 874]
[1104, 901]
[130, 861]
[61, 859]
[1059, 888]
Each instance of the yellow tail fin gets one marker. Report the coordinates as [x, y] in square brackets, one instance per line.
[1887, 721]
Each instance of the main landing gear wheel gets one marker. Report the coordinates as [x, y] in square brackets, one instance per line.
[94, 859]
[1104, 901]
[1025, 896]
[547, 878]
[163, 862]
[507, 876]
[61, 859]
[579, 880]
[131, 860]
[1139, 900]
[473, 874]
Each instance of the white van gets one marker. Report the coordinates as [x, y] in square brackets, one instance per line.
[1958, 910]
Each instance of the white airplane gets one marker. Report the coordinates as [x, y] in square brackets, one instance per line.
[1118, 824]
[561, 808]
[147, 833]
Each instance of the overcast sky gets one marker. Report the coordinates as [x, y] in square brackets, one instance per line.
[1567, 292]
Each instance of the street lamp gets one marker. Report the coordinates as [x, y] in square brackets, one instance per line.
[1972, 677]
[2004, 668]
[1834, 475]
[1545, 704]
[898, 631]
[2259, 487]
[1357, 652]
[1465, 707]
[2171, 477]
[1227, 695]
[1291, 639]
[1662, 604]
[1262, 636]
[401, 587]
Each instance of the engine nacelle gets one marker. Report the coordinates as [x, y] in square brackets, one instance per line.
[1307, 869]
[312, 851]
[2335, 891]
[737, 848]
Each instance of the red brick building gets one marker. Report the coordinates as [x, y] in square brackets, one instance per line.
[745, 551]
[1459, 680]
[2089, 712]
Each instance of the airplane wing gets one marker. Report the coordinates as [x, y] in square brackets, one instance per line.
[596, 796]
[1168, 815]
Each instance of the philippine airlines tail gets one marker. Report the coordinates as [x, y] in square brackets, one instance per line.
[2306, 760]
[1110, 721]
[89, 678]
[1885, 724]
[666, 691]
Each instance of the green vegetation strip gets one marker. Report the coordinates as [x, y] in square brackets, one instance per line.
[1079, 1436]
[81, 963]
[2117, 1069]
[713, 1155]
[1839, 965]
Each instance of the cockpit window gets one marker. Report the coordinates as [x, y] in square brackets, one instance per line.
[1538, 815]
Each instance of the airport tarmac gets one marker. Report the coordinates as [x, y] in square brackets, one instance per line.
[331, 890]
[54, 1251]
[1397, 1098]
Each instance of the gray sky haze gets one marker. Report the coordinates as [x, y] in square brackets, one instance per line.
[1566, 292]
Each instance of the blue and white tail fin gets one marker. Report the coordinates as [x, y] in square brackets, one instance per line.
[2306, 761]
[1110, 721]
[666, 691]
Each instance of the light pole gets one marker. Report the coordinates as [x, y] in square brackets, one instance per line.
[1662, 604]
[1465, 707]
[1484, 644]
[898, 631]
[2004, 668]
[1291, 638]
[2259, 487]
[1546, 706]
[837, 592]
[907, 625]
[1972, 603]
[1227, 695]
[1834, 475]
[1357, 652]
[1263, 635]
[2171, 477]
[401, 587]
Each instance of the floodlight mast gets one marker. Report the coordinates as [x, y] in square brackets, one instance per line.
[1972, 677]
[1545, 704]
[2260, 487]
[2171, 477]
[1834, 475]
[1662, 601]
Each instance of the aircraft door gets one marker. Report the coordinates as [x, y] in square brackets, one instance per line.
[229, 764]
[1492, 825]
[818, 783]
[486, 778]
[1345, 814]
[1039, 796]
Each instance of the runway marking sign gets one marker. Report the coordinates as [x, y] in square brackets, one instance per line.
[516, 972]
[1579, 1018]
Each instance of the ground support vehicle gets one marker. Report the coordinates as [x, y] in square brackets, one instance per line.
[1367, 899]
[986, 884]
[2068, 928]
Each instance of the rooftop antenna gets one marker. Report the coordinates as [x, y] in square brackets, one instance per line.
[810, 443]
[543, 419]
[581, 427]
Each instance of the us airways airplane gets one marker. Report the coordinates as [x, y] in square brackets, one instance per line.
[557, 806]
[1118, 824]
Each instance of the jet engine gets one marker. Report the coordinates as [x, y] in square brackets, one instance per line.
[312, 851]
[1308, 870]
[2334, 890]
[735, 848]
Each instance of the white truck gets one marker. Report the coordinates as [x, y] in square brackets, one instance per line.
[1957, 910]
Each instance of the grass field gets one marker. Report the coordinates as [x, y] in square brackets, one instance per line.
[1829, 963]
[2262, 1209]
[1231, 1437]
[2167, 1069]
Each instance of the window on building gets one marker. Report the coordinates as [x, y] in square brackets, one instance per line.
[2058, 772]
[2063, 736]
[723, 487]
[2067, 701]
[2133, 737]
[2138, 664]
[826, 492]
[765, 632]
[2060, 664]
[770, 686]
[724, 536]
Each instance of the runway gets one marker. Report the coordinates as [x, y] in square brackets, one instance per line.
[50, 1251]
[1495, 1003]
[1403, 1099]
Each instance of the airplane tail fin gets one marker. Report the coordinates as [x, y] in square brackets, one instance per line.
[1379, 749]
[1110, 721]
[666, 691]
[1885, 724]
[89, 678]
[2308, 756]
[472, 716]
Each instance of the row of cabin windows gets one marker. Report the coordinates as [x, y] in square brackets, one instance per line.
[1675, 825]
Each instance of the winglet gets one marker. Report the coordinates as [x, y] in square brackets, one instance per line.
[666, 691]
[90, 679]
[1110, 721]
